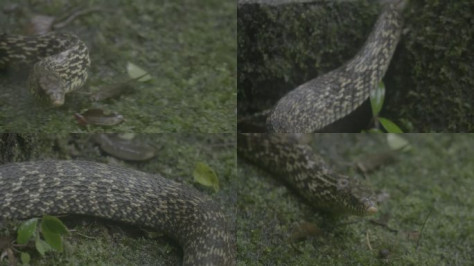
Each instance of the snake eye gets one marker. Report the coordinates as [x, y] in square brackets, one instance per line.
[342, 183]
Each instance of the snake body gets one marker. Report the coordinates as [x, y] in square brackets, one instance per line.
[298, 166]
[86, 188]
[60, 62]
[327, 98]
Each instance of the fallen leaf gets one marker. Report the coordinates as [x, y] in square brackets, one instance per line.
[135, 72]
[205, 175]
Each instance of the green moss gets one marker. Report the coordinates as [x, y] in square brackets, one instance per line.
[434, 94]
[187, 47]
[433, 180]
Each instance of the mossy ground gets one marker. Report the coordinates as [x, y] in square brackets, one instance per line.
[429, 82]
[99, 242]
[431, 182]
[188, 47]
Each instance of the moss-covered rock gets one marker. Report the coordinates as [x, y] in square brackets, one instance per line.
[432, 74]
[430, 79]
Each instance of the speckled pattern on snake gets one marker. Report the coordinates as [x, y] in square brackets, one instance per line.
[327, 98]
[60, 62]
[301, 168]
[86, 188]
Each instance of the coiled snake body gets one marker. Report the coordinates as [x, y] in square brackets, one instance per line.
[78, 187]
[61, 62]
[327, 98]
[297, 165]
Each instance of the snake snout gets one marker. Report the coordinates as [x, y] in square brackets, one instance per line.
[370, 207]
[371, 210]
[57, 98]
[55, 93]
[51, 86]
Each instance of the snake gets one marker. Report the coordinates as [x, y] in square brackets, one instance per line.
[195, 221]
[327, 98]
[59, 63]
[285, 156]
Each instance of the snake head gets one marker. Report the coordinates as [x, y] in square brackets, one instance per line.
[369, 206]
[357, 198]
[47, 84]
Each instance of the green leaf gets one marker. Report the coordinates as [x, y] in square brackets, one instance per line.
[25, 258]
[42, 246]
[389, 125]
[53, 224]
[53, 239]
[135, 72]
[377, 96]
[397, 142]
[52, 228]
[26, 230]
[205, 175]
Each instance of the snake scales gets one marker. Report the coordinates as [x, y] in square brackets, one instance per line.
[87, 188]
[297, 165]
[60, 62]
[78, 187]
[327, 98]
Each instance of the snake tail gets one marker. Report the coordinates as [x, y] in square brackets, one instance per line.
[331, 96]
[31, 189]
[307, 173]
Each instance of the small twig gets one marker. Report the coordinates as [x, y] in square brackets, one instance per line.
[383, 225]
[368, 241]
[423, 228]
[262, 114]
[347, 222]
[83, 235]
[74, 16]
[255, 121]
[14, 246]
